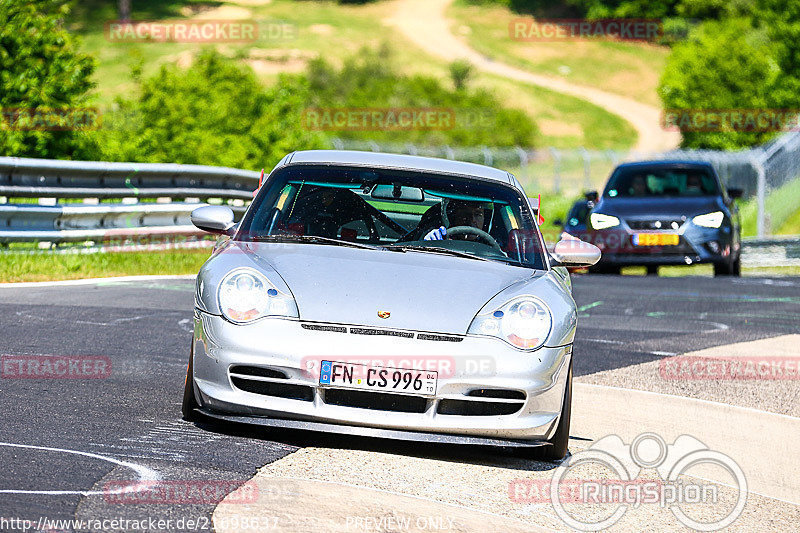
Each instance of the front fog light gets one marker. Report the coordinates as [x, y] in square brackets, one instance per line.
[523, 322]
[245, 295]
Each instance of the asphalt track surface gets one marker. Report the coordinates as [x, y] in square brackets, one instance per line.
[131, 419]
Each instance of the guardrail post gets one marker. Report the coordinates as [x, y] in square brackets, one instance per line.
[761, 196]
[556, 170]
[488, 159]
[523, 163]
[587, 170]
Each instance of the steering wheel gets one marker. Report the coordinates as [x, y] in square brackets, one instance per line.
[482, 235]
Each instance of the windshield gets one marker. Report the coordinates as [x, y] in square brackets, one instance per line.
[638, 182]
[395, 210]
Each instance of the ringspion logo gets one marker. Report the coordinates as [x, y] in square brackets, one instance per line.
[594, 503]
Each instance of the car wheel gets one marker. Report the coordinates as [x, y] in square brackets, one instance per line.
[737, 267]
[605, 269]
[189, 398]
[723, 269]
[559, 444]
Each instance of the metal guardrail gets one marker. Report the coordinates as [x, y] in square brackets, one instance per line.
[46, 178]
[778, 251]
[55, 179]
[71, 223]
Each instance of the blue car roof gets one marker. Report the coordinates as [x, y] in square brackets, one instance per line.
[681, 163]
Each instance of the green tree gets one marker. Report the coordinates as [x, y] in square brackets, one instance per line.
[460, 73]
[779, 20]
[41, 71]
[723, 65]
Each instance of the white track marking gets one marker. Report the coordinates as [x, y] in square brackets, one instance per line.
[145, 474]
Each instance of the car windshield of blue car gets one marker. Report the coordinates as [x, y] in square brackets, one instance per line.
[643, 182]
[395, 210]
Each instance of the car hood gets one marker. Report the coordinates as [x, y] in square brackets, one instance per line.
[657, 207]
[420, 291]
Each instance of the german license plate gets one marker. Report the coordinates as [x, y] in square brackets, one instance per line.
[364, 377]
[656, 239]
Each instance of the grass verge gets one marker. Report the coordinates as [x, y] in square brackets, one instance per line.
[45, 266]
[781, 208]
[625, 68]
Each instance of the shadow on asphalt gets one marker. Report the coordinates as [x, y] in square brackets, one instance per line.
[505, 457]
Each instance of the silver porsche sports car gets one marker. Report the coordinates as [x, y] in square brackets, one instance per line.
[387, 295]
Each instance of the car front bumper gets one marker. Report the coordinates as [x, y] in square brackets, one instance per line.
[696, 245]
[286, 352]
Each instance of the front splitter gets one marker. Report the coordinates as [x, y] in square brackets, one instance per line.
[394, 434]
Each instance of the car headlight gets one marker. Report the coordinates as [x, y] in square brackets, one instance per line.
[523, 322]
[601, 221]
[246, 295]
[709, 220]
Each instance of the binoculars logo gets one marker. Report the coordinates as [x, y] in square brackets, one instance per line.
[651, 452]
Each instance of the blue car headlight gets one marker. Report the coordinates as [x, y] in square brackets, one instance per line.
[246, 295]
[601, 221]
[523, 322]
[710, 220]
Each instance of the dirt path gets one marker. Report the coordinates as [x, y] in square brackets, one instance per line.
[425, 24]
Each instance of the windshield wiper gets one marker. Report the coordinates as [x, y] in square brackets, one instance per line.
[433, 250]
[313, 239]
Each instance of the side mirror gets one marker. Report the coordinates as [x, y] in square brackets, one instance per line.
[735, 193]
[214, 218]
[572, 252]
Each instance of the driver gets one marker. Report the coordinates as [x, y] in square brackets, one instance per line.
[460, 213]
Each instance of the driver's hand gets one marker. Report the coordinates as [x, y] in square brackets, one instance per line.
[436, 234]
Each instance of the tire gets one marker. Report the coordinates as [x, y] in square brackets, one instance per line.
[723, 269]
[559, 444]
[737, 267]
[189, 397]
[605, 269]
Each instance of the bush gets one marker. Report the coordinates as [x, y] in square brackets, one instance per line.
[218, 113]
[214, 113]
[369, 80]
